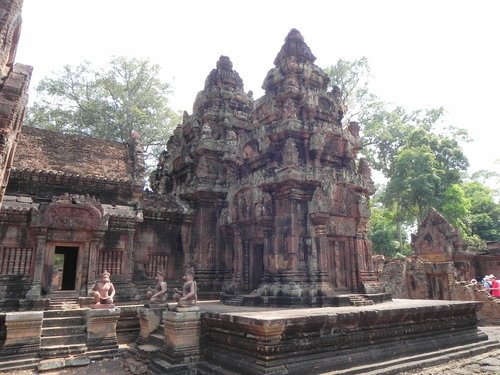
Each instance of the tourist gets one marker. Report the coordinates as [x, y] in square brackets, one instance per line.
[159, 293]
[103, 290]
[189, 294]
[495, 287]
[486, 282]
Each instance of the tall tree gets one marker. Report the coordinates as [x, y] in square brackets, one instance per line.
[414, 185]
[485, 212]
[108, 103]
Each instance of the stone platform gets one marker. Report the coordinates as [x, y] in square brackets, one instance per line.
[247, 340]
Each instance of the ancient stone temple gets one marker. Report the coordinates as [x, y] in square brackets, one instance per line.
[261, 203]
[70, 212]
[14, 82]
[277, 193]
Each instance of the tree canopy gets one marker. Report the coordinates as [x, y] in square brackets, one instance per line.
[422, 160]
[109, 103]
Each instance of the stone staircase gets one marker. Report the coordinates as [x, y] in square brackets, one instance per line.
[63, 333]
[235, 301]
[63, 300]
[140, 357]
[359, 300]
[18, 362]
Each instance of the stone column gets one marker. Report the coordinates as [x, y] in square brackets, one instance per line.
[22, 332]
[129, 268]
[36, 288]
[92, 271]
[182, 335]
[101, 329]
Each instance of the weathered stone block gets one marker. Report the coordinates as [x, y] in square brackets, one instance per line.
[101, 328]
[22, 332]
[182, 336]
[149, 319]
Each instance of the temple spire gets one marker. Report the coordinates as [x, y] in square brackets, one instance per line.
[295, 46]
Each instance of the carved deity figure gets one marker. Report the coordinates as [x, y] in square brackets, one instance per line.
[232, 139]
[206, 131]
[159, 293]
[188, 296]
[290, 153]
[103, 291]
[289, 109]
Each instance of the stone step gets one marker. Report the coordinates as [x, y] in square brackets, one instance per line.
[160, 366]
[97, 355]
[56, 351]
[63, 330]
[156, 339]
[420, 361]
[17, 364]
[64, 313]
[63, 321]
[63, 340]
[205, 368]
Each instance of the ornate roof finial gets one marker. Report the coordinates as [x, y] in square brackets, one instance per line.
[295, 46]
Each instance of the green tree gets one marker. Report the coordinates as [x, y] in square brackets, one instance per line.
[383, 232]
[415, 183]
[485, 212]
[387, 130]
[455, 206]
[108, 103]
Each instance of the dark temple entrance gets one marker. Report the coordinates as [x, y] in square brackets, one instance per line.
[64, 273]
[256, 266]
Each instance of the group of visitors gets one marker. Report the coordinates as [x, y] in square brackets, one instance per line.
[491, 284]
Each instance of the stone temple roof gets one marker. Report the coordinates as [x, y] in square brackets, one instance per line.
[44, 150]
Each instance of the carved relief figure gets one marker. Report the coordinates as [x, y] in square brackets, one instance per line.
[206, 131]
[290, 153]
[159, 293]
[103, 291]
[289, 109]
[188, 296]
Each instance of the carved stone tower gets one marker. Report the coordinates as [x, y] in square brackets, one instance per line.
[280, 199]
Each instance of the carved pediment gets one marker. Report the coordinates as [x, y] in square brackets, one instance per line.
[75, 213]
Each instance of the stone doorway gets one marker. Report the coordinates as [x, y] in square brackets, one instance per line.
[64, 268]
[256, 266]
[339, 265]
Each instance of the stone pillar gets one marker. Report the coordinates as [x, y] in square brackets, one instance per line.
[182, 335]
[101, 329]
[129, 266]
[36, 289]
[92, 271]
[22, 332]
[149, 320]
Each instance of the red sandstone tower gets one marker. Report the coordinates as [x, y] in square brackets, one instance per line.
[278, 198]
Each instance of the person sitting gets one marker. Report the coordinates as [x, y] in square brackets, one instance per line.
[189, 294]
[103, 290]
[159, 293]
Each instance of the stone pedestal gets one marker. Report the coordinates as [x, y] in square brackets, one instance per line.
[182, 335]
[101, 329]
[149, 320]
[22, 332]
